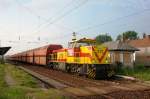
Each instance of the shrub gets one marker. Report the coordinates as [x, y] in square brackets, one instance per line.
[139, 67]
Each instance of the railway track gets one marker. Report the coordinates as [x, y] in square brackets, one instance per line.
[83, 88]
[70, 80]
[73, 80]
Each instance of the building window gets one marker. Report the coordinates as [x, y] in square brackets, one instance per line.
[121, 57]
[133, 57]
[112, 57]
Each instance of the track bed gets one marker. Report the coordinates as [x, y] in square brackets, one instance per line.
[84, 88]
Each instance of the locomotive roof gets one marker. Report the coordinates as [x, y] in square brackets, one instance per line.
[84, 40]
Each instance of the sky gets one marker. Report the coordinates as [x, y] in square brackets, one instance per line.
[27, 24]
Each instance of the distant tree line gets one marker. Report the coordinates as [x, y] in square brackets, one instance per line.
[128, 35]
[103, 38]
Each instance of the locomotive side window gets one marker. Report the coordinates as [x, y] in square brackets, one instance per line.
[55, 56]
[70, 52]
[52, 57]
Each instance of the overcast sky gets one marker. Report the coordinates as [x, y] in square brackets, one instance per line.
[26, 24]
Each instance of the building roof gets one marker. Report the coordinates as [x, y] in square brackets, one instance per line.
[144, 42]
[119, 46]
[3, 50]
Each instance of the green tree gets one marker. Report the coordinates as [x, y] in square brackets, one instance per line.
[119, 37]
[103, 38]
[131, 35]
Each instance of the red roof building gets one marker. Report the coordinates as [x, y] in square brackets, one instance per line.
[142, 56]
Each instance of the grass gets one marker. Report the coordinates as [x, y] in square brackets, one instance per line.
[12, 93]
[50, 94]
[22, 78]
[2, 74]
[139, 71]
[27, 87]
[29, 93]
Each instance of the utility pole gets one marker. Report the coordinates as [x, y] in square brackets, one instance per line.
[19, 38]
[74, 36]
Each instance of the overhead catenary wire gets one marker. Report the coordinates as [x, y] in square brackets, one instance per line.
[105, 23]
[111, 21]
[62, 16]
[94, 26]
[48, 22]
[57, 13]
[116, 19]
[28, 9]
[43, 18]
[108, 22]
[47, 19]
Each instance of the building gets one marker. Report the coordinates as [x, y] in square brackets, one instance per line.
[142, 56]
[121, 52]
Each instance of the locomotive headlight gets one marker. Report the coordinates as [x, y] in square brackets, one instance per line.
[106, 61]
[108, 58]
[109, 55]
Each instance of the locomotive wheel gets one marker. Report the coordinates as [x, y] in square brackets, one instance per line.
[68, 68]
[74, 68]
